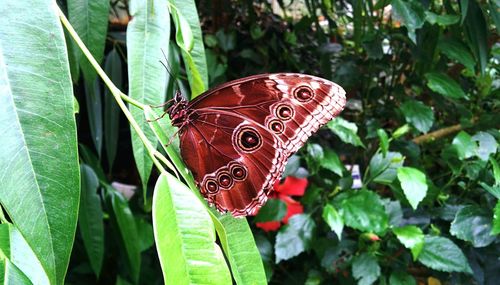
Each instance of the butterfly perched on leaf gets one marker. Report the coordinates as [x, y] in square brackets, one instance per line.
[236, 138]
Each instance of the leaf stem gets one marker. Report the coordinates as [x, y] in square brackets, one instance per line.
[119, 96]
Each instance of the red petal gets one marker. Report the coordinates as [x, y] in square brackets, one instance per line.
[269, 226]
[293, 207]
[293, 186]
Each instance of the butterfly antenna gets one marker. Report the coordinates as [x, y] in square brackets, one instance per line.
[169, 70]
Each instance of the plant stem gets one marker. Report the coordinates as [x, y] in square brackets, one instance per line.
[119, 96]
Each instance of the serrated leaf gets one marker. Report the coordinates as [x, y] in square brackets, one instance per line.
[40, 184]
[273, 210]
[464, 145]
[90, 219]
[363, 210]
[185, 236]
[401, 278]
[444, 85]
[495, 230]
[457, 51]
[294, 238]
[487, 145]
[412, 238]
[346, 131]
[331, 161]
[418, 114]
[333, 219]
[365, 269]
[414, 185]
[147, 35]
[384, 169]
[473, 224]
[440, 253]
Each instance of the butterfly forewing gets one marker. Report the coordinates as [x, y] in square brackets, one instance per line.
[237, 137]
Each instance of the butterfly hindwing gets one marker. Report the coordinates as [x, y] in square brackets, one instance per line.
[250, 127]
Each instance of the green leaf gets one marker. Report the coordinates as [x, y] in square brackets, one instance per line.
[401, 278]
[183, 33]
[147, 35]
[411, 14]
[473, 224]
[365, 269]
[273, 210]
[333, 219]
[90, 21]
[496, 220]
[125, 223]
[314, 157]
[196, 63]
[494, 8]
[40, 184]
[459, 52]
[493, 190]
[21, 265]
[294, 238]
[464, 145]
[346, 131]
[145, 232]
[418, 114]
[411, 237]
[331, 161]
[363, 210]
[384, 169]
[113, 68]
[442, 20]
[384, 141]
[444, 85]
[440, 253]
[90, 219]
[414, 184]
[185, 236]
[401, 131]
[496, 170]
[487, 145]
[476, 30]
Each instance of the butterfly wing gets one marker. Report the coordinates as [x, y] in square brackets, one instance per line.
[238, 136]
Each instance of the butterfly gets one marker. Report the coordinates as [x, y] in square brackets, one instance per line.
[236, 138]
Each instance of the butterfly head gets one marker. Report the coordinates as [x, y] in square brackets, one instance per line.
[178, 112]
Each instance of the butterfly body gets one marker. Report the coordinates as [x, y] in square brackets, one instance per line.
[236, 138]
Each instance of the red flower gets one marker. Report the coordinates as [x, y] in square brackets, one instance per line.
[292, 186]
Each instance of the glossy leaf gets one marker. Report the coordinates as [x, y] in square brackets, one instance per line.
[384, 141]
[418, 114]
[464, 145]
[473, 224]
[411, 14]
[334, 220]
[352, 207]
[125, 222]
[273, 210]
[21, 265]
[147, 35]
[413, 182]
[442, 20]
[384, 169]
[331, 161]
[365, 269]
[444, 85]
[487, 145]
[412, 238]
[185, 236]
[90, 219]
[294, 238]
[496, 170]
[346, 131]
[440, 253]
[496, 220]
[113, 68]
[459, 52]
[196, 63]
[40, 185]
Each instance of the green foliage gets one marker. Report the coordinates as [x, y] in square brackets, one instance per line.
[421, 125]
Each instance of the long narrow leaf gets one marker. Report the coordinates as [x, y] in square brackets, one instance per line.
[39, 173]
[147, 36]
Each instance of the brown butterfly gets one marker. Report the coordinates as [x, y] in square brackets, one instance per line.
[236, 138]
